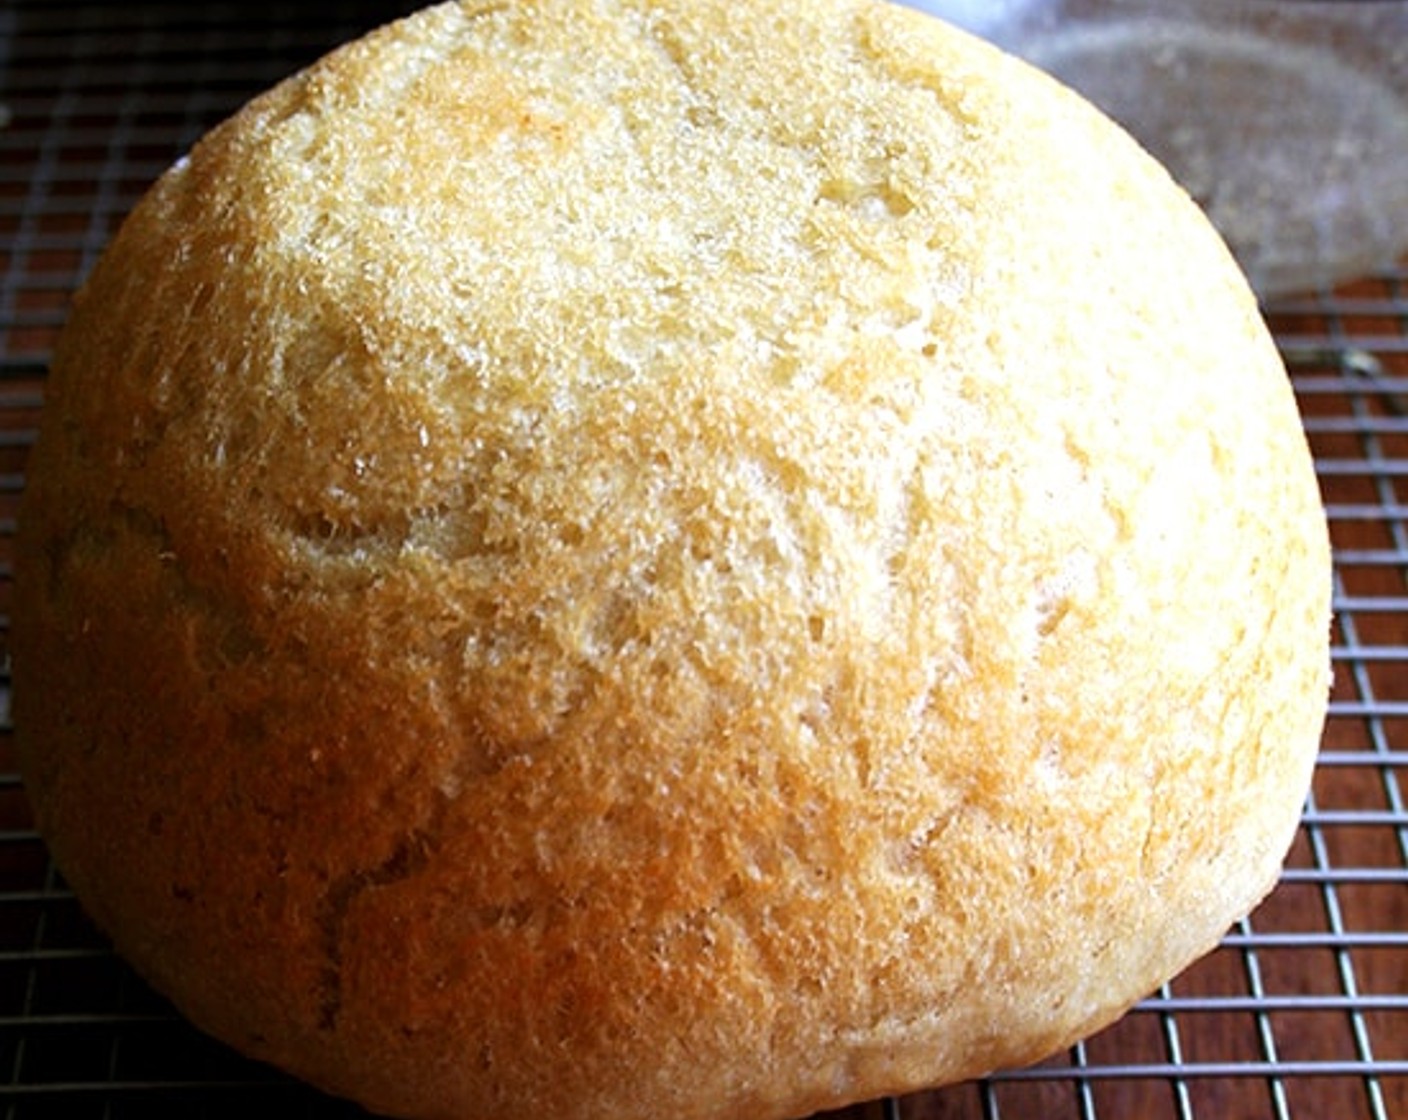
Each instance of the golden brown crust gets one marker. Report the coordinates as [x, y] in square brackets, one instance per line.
[602, 558]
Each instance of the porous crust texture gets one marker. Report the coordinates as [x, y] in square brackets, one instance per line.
[666, 558]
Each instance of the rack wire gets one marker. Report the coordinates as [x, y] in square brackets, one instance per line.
[1301, 1012]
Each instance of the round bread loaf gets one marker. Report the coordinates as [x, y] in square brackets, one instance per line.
[666, 558]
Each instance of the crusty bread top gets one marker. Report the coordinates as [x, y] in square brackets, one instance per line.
[677, 559]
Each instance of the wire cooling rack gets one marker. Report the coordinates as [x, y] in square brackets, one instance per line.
[1301, 1012]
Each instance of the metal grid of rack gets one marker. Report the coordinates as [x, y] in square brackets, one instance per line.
[1301, 1012]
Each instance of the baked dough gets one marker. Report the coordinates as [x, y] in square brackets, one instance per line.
[679, 559]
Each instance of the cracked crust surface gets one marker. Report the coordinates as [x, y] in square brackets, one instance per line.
[592, 558]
